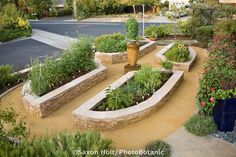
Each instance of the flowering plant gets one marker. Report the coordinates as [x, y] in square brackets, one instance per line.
[178, 53]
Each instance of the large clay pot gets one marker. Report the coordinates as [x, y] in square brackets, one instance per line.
[133, 50]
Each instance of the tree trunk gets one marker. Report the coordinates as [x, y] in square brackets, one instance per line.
[134, 9]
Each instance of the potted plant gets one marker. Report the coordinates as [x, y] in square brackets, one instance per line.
[133, 46]
[225, 109]
[167, 65]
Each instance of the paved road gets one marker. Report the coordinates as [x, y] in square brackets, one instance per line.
[74, 29]
[20, 53]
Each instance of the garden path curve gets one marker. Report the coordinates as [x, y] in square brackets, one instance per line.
[179, 108]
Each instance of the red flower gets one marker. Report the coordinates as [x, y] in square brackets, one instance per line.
[212, 89]
[212, 99]
[203, 104]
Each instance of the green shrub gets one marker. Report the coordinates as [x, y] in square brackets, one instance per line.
[132, 28]
[204, 34]
[7, 76]
[12, 129]
[64, 145]
[148, 78]
[151, 31]
[78, 58]
[158, 149]
[158, 31]
[64, 12]
[167, 65]
[9, 16]
[10, 34]
[111, 43]
[200, 125]
[185, 27]
[225, 27]
[119, 99]
[178, 53]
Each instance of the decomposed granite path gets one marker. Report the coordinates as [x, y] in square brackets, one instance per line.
[174, 113]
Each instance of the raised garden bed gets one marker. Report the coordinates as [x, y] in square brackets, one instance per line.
[43, 105]
[86, 116]
[120, 57]
[185, 66]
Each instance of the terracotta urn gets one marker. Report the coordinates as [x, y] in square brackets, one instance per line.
[132, 51]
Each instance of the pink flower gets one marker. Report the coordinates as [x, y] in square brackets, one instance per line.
[212, 89]
[212, 99]
[203, 104]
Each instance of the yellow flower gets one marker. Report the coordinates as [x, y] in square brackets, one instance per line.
[184, 48]
[180, 46]
[23, 23]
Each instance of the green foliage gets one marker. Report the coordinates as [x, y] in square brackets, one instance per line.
[87, 8]
[158, 31]
[9, 16]
[39, 7]
[132, 29]
[200, 125]
[185, 27]
[225, 27]
[7, 76]
[111, 43]
[64, 145]
[219, 73]
[119, 99]
[144, 83]
[204, 34]
[225, 94]
[178, 53]
[11, 130]
[10, 34]
[78, 58]
[148, 78]
[167, 65]
[12, 25]
[158, 149]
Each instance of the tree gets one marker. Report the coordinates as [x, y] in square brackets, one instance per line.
[132, 3]
[39, 7]
[11, 129]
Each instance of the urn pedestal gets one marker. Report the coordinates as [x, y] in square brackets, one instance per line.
[132, 53]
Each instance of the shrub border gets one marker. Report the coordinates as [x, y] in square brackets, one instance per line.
[120, 57]
[186, 66]
[44, 105]
[109, 120]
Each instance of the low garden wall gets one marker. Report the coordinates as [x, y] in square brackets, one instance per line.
[186, 66]
[86, 118]
[42, 106]
[120, 57]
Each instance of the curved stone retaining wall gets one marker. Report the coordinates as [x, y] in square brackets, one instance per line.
[85, 118]
[186, 66]
[120, 57]
[42, 106]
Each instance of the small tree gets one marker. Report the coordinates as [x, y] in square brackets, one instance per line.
[175, 15]
[132, 29]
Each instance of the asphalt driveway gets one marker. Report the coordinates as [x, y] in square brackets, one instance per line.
[20, 53]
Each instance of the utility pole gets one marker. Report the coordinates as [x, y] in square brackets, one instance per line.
[143, 17]
[75, 10]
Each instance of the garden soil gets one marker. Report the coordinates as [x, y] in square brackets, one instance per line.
[169, 118]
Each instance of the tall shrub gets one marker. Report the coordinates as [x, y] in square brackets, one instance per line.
[204, 34]
[132, 28]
